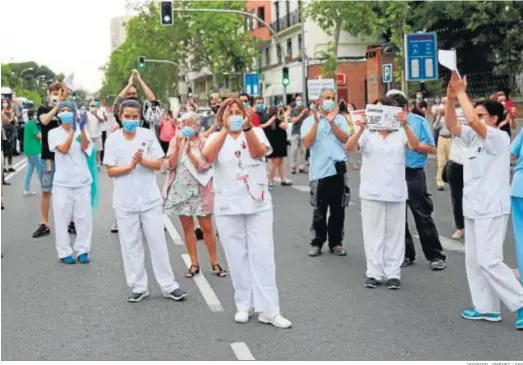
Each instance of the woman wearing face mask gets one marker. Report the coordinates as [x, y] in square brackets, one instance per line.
[517, 199]
[132, 156]
[275, 130]
[383, 193]
[167, 129]
[71, 184]
[486, 205]
[243, 211]
[345, 109]
[188, 193]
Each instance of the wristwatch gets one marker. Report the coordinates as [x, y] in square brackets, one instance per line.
[247, 129]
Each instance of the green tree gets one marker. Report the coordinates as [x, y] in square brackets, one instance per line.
[34, 96]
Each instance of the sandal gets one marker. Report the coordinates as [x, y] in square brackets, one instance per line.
[190, 273]
[221, 272]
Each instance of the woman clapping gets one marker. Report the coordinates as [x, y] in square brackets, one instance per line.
[486, 205]
[383, 193]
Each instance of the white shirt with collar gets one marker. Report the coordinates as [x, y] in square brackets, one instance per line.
[94, 126]
[232, 195]
[383, 166]
[72, 170]
[136, 191]
[486, 174]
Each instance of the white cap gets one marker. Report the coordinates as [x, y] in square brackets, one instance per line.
[395, 92]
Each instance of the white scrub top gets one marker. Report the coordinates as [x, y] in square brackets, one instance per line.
[138, 190]
[71, 169]
[486, 174]
[232, 195]
[458, 151]
[383, 166]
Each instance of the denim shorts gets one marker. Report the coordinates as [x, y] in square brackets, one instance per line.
[46, 179]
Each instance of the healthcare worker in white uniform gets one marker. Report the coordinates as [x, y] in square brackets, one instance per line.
[132, 155]
[383, 194]
[71, 185]
[486, 205]
[243, 212]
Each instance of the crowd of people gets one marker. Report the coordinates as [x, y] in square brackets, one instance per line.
[216, 170]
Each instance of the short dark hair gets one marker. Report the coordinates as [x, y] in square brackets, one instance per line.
[129, 103]
[258, 98]
[400, 100]
[494, 108]
[389, 101]
[244, 94]
[31, 114]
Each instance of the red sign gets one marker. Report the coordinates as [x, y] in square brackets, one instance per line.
[340, 79]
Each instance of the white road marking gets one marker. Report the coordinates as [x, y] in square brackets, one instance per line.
[307, 189]
[205, 288]
[177, 240]
[241, 351]
[18, 167]
[449, 244]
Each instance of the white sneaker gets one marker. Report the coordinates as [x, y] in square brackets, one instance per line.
[241, 317]
[277, 320]
[29, 193]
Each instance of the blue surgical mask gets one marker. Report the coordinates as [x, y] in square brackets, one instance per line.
[66, 117]
[260, 107]
[437, 101]
[236, 123]
[246, 105]
[187, 132]
[299, 103]
[328, 105]
[130, 125]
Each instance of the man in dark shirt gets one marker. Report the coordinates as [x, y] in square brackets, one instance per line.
[47, 121]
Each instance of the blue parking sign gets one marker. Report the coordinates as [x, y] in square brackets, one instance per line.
[421, 57]
[251, 83]
[386, 71]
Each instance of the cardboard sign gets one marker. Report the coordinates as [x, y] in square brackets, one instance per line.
[314, 87]
[382, 117]
[356, 116]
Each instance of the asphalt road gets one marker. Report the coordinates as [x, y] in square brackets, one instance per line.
[52, 311]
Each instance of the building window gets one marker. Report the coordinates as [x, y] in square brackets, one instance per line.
[261, 15]
[300, 44]
[251, 21]
[289, 47]
[288, 12]
[300, 5]
[278, 51]
[277, 20]
[267, 56]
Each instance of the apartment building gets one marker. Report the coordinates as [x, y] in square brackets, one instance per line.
[118, 31]
[302, 43]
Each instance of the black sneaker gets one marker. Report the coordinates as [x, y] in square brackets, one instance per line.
[71, 229]
[394, 284]
[6, 183]
[137, 297]
[41, 231]
[177, 294]
[11, 169]
[199, 234]
[371, 283]
[338, 251]
[407, 262]
[438, 265]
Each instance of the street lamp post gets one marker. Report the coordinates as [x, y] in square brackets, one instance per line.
[241, 12]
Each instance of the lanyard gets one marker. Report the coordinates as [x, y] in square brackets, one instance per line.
[243, 176]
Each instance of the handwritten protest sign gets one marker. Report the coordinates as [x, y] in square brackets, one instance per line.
[382, 117]
[314, 87]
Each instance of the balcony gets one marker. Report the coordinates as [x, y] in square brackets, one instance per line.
[287, 21]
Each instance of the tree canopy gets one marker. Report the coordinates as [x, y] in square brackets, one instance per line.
[196, 40]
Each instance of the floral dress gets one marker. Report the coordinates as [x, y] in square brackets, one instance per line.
[184, 195]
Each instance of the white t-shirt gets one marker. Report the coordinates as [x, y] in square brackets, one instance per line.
[72, 170]
[486, 174]
[138, 190]
[232, 195]
[94, 126]
[383, 166]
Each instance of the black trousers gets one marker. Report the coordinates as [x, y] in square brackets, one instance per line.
[329, 194]
[455, 177]
[421, 206]
[104, 137]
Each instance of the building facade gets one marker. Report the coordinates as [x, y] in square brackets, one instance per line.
[118, 31]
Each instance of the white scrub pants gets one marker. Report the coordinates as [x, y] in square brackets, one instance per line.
[130, 229]
[383, 237]
[76, 203]
[490, 280]
[248, 243]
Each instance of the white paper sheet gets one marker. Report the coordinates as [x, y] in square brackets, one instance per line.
[382, 117]
[448, 59]
[203, 178]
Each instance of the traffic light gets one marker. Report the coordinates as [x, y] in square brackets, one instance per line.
[285, 79]
[167, 13]
[141, 61]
